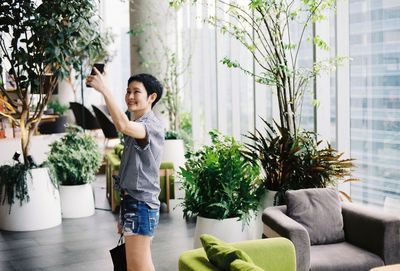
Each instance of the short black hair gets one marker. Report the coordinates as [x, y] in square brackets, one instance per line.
[150, 83]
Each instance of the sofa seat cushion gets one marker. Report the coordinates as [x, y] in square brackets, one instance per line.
[342, 257]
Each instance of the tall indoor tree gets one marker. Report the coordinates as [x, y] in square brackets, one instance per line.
[274, 31]
[39, 44]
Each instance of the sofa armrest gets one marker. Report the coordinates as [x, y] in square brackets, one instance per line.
[276, 254]
[278, 221]
[194, 260]
[372, 230]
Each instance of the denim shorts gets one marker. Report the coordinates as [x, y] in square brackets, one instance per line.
[137, 218]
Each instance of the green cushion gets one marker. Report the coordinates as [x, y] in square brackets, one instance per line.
[167, 165]
[208, 241]
[240, 265]
[118, 149]
[220, 253]
[113, 160]
[171, 188]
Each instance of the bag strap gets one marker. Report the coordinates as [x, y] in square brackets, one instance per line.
[121, 240]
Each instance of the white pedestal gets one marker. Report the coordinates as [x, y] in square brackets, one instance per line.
[76, 201]
[174, 151]
[256, 227]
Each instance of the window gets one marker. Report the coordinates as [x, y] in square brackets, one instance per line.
[375, 99]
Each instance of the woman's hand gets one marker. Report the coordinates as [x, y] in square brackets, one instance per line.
[97, 81]
[119, 228]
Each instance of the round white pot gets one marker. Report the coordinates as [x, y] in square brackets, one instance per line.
[76, 200]
[174, 151]
[256, 227]
[42, 211]
[228, 230]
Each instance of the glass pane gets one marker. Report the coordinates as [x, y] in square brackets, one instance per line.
[333, 101]
[375, 99]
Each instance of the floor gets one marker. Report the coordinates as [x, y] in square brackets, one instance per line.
[84, 243]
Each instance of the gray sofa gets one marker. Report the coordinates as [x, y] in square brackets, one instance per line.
[371, 238]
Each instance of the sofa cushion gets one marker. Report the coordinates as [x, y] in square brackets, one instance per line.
[342, 256]
[240, 265]
[220, 253]
[319, 211]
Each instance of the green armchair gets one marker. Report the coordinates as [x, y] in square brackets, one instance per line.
[272, 254]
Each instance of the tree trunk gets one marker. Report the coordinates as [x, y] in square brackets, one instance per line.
[25, 134]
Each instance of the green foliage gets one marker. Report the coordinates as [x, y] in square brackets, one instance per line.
[170, 134]
[186, 130]
[296, 161]
[164, 60]
[219, 182]
[13, 184]
[57, 107]
[273, 31]
[75, 158]
[41, 42]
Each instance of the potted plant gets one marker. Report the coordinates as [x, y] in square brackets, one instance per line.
[298, 161]
[74, 160]
[57, 126]
[38, 47]
[221, 188]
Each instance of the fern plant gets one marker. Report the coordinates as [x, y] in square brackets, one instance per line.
[13, 183]
[75, 158]
[219, 182]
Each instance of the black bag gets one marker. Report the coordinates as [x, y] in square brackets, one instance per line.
[118, 256]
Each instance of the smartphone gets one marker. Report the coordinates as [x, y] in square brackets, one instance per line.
[99, 67]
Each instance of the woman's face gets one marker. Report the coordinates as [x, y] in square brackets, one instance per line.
[136, 98]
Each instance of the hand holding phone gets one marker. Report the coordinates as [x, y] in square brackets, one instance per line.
[99, 67]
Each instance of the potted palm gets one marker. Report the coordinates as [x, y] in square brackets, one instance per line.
[38, 46]
[221, 188]
[74, 160]
[291, 162]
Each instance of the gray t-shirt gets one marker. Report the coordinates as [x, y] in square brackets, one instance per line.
[140, 164]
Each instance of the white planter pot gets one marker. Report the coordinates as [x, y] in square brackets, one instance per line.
[256, 227]
[76, 200]
[42, 211]
[174, 151]
[228, 230]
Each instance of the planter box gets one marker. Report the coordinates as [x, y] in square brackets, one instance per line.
[42, 211]
[76, 201]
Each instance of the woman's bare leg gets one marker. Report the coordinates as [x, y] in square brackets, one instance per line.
[138, 253]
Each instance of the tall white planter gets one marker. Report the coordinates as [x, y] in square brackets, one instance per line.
[76, 201]
[228, 230]
[256, 227]
[42, 211]
[174, 151]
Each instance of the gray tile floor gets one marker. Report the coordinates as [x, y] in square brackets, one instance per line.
[83, 244]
